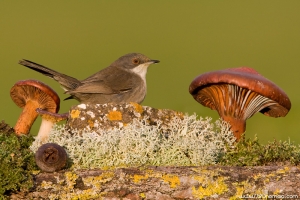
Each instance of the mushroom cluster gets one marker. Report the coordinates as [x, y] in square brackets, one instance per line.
[237, 94]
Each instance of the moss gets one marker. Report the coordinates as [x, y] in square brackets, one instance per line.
[16, 163]
[251, 153]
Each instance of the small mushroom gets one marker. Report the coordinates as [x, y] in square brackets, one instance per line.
[237, 94]
[30, 95]
[48, 120]
[51, 157]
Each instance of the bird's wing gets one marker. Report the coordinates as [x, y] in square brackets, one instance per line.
[108, 81]
[98, 87]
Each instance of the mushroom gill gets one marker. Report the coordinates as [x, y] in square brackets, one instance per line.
[234, 104]
[237, 94]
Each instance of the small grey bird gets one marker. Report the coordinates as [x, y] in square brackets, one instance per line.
[123, 81]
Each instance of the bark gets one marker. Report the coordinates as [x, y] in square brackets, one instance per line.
[166, 183]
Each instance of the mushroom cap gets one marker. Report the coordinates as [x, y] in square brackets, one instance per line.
[246, 78]
[34, 90]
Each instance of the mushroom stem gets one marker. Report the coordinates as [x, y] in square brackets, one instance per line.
[238, 126]
[45, 129]
[48, 120]
[27, 117]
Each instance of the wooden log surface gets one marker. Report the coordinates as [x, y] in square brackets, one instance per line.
[167, 183]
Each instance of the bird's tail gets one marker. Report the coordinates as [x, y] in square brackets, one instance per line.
[67, 82]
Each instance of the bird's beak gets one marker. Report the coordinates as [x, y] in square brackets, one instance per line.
[154, 61]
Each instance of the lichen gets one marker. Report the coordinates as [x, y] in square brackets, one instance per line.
[173, 180]
[137, 177]
[246, 188]
[137, 107]
[283, 171]
[210, 184]
[143, 195]
[241, 189]
[70, 180]
[188, 141]
[75, 114]
[114, 115]
[65, 188]
[91, 123]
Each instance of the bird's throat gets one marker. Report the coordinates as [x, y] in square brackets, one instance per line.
[141, 70]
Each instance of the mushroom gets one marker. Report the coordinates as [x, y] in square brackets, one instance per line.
[51, 157]
[30, 95]
[48, 120]
[237, 94]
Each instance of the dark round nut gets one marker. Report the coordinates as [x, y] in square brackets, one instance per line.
[51, 157]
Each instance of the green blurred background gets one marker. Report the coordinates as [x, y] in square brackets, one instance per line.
[79, 38]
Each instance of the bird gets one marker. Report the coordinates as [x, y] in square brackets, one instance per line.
[123, 81]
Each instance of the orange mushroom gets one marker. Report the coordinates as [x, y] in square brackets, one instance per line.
[30, 95]
[237, 94]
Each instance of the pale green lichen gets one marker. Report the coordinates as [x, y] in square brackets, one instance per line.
[185, 142]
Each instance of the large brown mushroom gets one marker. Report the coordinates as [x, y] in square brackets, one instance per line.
[30, 95]
[237, 94]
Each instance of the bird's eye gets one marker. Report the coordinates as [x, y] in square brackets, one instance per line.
[135, 61]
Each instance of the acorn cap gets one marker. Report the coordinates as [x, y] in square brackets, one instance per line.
[51, 157]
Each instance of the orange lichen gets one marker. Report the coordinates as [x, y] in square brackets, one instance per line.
[114, 115]
[91, 123]
[137, 178]
[173, 180]
[75, 114]
[137, 107]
